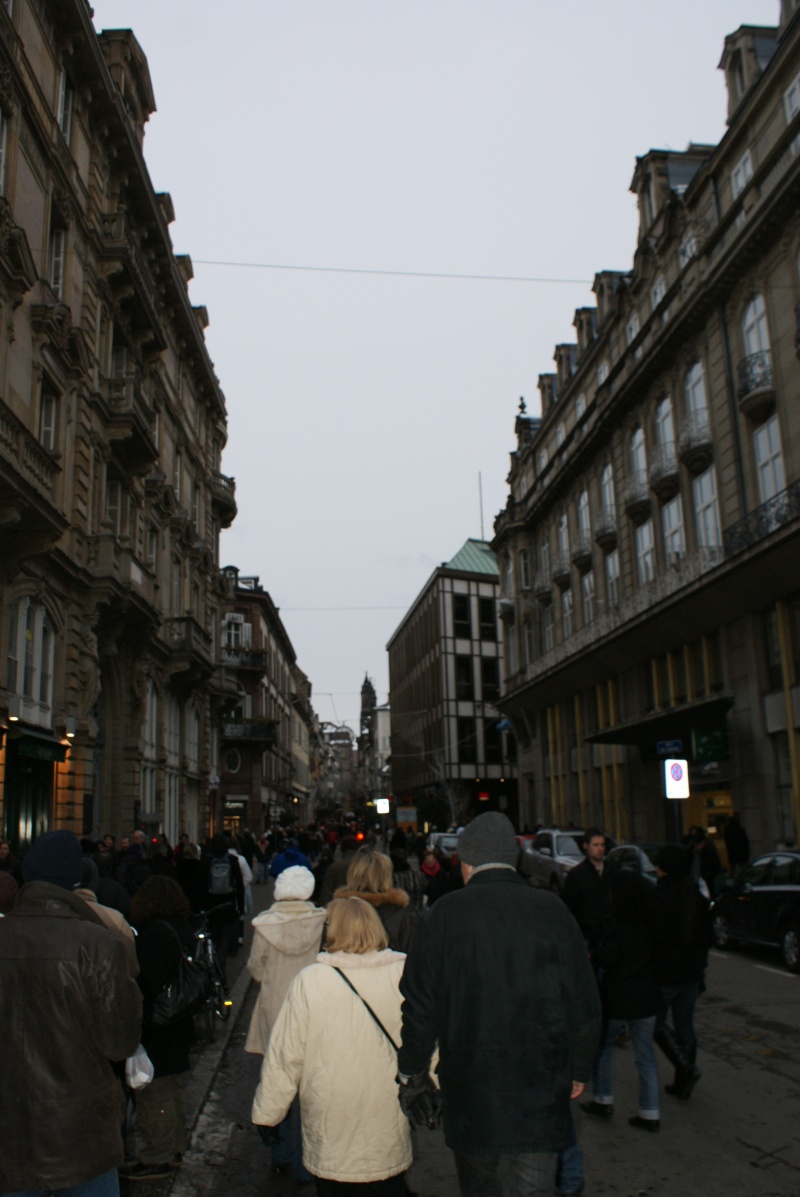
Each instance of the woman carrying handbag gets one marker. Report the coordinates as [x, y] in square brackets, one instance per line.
[337, 1048]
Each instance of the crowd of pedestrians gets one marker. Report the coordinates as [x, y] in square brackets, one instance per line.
[395, 988]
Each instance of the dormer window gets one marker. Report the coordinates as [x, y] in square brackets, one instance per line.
[688, 250]
[632, 328]
[658, 291]
[791, 100]
[64, 104]
[741, 174]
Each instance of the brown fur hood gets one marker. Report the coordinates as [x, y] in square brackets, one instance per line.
[392, 897]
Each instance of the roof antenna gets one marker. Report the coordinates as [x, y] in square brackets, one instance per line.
[480, 498]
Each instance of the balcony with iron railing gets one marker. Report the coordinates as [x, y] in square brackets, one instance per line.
[605, 528]
[131, 421]
[682, 573]
[695, 442]
[255, 731]
[561, 572]
[542, 585]
[223, 497]
[636, 496]
[756, 390]
[762, 522]
[581, 551]
[245, 658]
[664, 473]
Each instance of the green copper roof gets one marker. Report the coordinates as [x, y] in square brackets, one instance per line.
[475, 558]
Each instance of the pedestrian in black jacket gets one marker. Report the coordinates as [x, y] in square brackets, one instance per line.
[585, 890]
[160, 912]
[683, 940]
[625, 958]
[497, 974]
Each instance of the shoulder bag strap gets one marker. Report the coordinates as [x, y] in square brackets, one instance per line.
[369, 1008]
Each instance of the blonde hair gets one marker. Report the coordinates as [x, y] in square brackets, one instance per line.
[353, 926]
[370, 873]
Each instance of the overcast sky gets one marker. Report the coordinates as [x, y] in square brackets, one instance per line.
[401, 138]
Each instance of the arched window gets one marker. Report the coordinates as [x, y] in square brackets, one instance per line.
[695, 388]
[755, 333]
[584, 520]
[638, 453]
[665, 431]
[30, 660]
[607, 490]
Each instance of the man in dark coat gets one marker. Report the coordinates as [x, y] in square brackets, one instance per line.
[586, 892]
[498, 975]
[68, 1007]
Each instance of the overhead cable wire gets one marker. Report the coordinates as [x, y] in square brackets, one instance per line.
[482, 278]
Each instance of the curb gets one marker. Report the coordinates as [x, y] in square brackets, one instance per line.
[203, 1074]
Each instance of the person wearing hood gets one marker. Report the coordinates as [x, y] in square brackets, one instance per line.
[286, 939]
[370, 876]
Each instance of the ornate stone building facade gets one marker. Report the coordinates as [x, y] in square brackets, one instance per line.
[650, 545]
[264, 763]
[112, 426]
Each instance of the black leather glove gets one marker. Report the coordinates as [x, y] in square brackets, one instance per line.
[420, 1100]
[270, 1135]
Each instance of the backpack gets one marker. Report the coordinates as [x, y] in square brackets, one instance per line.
[220, 877]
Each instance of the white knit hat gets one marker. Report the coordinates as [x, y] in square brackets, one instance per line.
[296, 882]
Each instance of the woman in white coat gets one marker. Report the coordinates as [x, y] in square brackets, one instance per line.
[286, 938]
[326, 1045]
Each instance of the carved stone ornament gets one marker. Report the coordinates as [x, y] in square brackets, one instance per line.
[7, 93]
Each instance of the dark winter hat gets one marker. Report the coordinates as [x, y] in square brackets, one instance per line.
[55, 857]
[673, 860]
[489, 839]
[8, 892]
[89, 874]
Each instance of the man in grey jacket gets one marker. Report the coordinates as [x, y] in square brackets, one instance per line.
[499, 976]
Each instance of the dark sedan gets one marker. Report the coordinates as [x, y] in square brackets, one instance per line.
[763, 907]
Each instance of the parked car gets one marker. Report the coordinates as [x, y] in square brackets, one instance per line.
[553, 853]
[445, 841]
[763, 907]
[641, 858]
[636, 858]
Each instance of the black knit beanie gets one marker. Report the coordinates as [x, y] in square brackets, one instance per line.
[489, 839]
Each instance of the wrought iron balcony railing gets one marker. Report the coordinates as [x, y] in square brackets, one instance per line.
[756, 384]
[763, 521]
[695, 442]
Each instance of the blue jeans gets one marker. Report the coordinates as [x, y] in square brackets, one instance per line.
[290, 1148]
[569, 1172]
[641, 1030]
[681, 1000]
[106, 1185]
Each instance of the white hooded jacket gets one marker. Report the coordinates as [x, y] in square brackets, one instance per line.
[287, 938]
[326, 1046]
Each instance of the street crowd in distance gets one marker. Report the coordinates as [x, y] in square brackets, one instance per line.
[397, 990]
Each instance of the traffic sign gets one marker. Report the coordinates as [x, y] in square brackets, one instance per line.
[676, 778]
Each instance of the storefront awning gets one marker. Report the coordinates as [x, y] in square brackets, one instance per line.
[42, 746]
[674, 724]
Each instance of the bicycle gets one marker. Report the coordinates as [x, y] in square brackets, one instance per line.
[218, 1004]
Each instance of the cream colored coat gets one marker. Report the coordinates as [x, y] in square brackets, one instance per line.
[326, 1045]
[286, 939]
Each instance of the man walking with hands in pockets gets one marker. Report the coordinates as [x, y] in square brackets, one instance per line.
[499, 976]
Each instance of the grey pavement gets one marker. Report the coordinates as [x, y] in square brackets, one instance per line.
[739, 1134]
